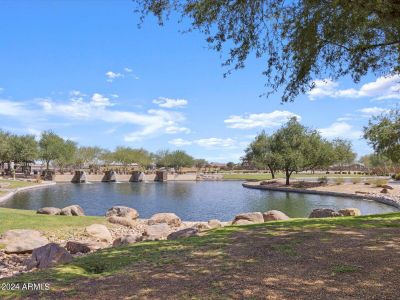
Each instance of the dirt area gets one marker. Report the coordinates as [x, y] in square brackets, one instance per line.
[340, 263]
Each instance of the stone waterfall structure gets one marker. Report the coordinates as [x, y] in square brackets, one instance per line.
[137, 176]
[79, 177]
[110, 176]
[161, 176]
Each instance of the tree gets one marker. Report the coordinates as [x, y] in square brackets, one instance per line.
[88, 155]
[319, 152]
[175, 159]
[291, 142]
[300, 41]
[260, 154]
[50, 147]
[343, 152]
[127, 155]
[200, 163]
[67, 154]
[230, 165]
[383, 133]
[23, 149]
[5, 147]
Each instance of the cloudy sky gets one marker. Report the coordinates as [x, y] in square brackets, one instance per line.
[85, 70]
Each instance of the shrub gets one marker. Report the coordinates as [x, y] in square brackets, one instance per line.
[397, 176]
[380, 182]
[356, 180]
[338, 180]
[323, 180]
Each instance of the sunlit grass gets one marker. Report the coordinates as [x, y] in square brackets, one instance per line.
[14, 184]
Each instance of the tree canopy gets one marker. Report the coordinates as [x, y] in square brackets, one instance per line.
[300, 41]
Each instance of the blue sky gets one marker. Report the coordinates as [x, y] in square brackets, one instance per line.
[84, 70]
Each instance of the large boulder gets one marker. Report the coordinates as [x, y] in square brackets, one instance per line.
[99, 232]
[184, 233]
[274, 215]
[157, 232]
[72, 210]
[122, 211]
[49, 211]
[214, 223]
[48, 256]
[22, 240]
[242, 222]
[350, 212]
[202, 226]
[74, 247]
[169, 218]
[324, 213]
[121, 221]
[252, 217]
[127, 239]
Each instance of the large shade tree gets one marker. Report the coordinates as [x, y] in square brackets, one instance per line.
[299, 41]
[50, 147]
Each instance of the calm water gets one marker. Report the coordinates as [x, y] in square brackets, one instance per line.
[189, 200]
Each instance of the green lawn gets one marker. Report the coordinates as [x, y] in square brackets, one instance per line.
[154, 267]
[54, 225]
[14, 184]
[265, 176]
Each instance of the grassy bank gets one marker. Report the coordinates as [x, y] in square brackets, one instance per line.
[50, 225]
[266, 176]
[301, 257]
[15, 184]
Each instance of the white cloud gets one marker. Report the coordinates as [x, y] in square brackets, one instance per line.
[340, 130]
[180, 142]
[1, 89]
[385, 87]
[215, 142]
[12, 109]
[112, 75]
[273, 119]
[373, 111]
[100, 100]
[170, 103]
[128, 70]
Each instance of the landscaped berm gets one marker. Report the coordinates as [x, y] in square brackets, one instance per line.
[330, 258]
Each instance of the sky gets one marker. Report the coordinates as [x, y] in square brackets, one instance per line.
[86, 71]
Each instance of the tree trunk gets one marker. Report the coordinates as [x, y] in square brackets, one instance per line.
[47, 165]
[287, 176]
[272, 172]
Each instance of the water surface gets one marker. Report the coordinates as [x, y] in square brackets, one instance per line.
[190, 200]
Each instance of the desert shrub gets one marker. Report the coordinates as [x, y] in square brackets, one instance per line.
[327, 172]
[356, 180]
[338, 180]
[323, 180]
[380, 182]
[397, 176]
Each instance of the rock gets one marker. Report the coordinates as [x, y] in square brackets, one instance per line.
[214, 223]
[253, 217]
[388, 187]
[202, 226]
[48, 256]
[100, 232]
[157, 232]
[127, 239]
[350, 212]
[242, 222]
[72, 210]
[274, 215]
[324, 213]
[22, 240]
[169, 218]
[49, 211]
[123, 211]
[384, 191]
[184, 233]
[121, 221]
[74, 247]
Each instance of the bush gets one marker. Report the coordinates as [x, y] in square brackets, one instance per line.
[380, 182]
[397, 176]
[356, 180]
[323, 180]
[338, 180]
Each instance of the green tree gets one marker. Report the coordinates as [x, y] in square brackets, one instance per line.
[260, 154]
[230, 165]
[5, 147]
[300, 41]
[319, 152]
[175, 159]
[343, 152]
[67, 155]
[91, 156]
[200, 163]
[23, 149]
[383, 133]
[50, 147]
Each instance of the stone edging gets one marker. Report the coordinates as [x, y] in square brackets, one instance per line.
[384, 200]
[15, 191]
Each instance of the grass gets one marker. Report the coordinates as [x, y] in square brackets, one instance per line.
[14, 184]
[216, 245]
[266, 176]
[54, 225]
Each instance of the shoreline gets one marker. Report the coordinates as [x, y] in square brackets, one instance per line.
[385, 200]
[13, 192]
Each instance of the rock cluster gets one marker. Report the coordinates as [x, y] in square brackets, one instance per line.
[72, 210]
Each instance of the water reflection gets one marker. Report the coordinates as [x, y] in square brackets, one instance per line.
[189, 200]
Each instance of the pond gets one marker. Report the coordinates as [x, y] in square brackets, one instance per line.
[192, 201]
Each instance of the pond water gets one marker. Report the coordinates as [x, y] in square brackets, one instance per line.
[193, 201]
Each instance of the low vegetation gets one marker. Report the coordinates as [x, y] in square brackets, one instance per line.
[14, 184]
